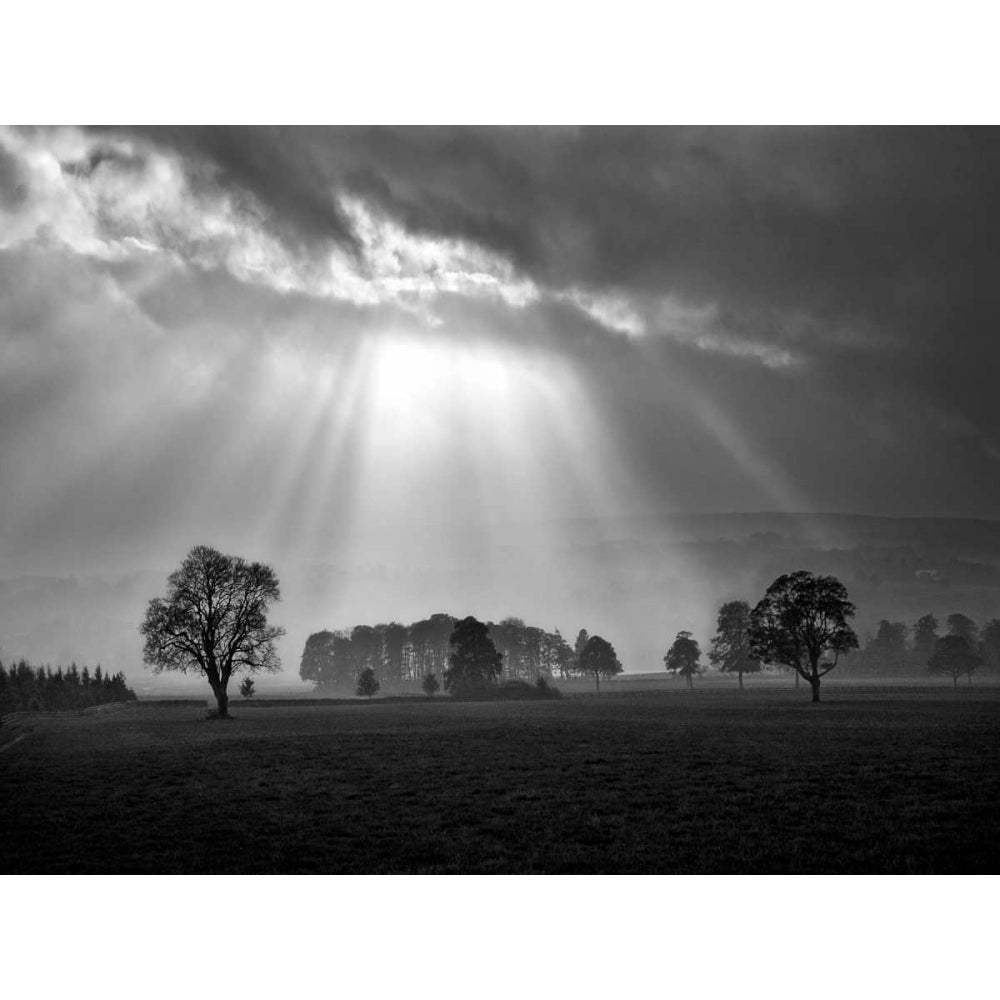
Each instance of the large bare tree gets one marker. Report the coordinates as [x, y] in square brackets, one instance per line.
[214, 620]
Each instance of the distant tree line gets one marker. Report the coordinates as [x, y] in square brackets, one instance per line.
[896, 650]
[801, 624]
[399, 657]
[24, 688]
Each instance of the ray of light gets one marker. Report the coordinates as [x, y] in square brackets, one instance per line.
[324, 516]
[703, 404]
[310, 400]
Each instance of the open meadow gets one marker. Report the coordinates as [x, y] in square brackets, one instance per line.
[868, 781]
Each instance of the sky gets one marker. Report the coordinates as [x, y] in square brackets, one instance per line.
[314, 346]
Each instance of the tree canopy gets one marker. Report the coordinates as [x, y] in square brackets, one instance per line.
[402, 655]
[963, 625]
[598, 657]
[684, 657]
[474, 663]
[885, 654]
[925, 634]
[368, 684]
[802, 619]
[214, 620]
[954, 655]
[730, 651]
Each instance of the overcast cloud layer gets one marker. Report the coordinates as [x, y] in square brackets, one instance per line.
[206, 333]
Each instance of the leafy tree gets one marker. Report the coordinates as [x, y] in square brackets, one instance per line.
[525, 650]
[925, 635]
[534, 641]
[475, 663]
[801, 619]
[213, 620]
[684, 657]
[598, 657]
[246, 688]
[886, 653]
[954, 655]
[316, 664]
[430, 685]
[430, 641]
[368, 684]
[365, 649]
[965, 627]
[991, 644]
[730, 650]
[393, 637]
[328, 661]
[560, 655]
[510, 642]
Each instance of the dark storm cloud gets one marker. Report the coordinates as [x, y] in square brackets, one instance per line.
[867, 254]
[278, 166]
[833, 289]
[824, 218]
[894, 230]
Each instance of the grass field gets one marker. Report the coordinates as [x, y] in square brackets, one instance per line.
[866, 782]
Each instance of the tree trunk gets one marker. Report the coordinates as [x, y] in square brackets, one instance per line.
[796, 680]
[740, 675]
[597, 678]
[690, 681]
[954, 680]
[222, 700]
[814, 681]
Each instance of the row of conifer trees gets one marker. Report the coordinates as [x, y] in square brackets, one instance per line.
[24, 688]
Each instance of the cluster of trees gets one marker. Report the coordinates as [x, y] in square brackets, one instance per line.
[800, 624]
[476, 663]
[394, 653]
[214, 620]
[24, 688]
[896, 650]
[401, 656]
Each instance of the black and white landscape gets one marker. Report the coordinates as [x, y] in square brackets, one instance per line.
[567, 382]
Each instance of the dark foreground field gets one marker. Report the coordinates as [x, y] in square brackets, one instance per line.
[670, 782]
